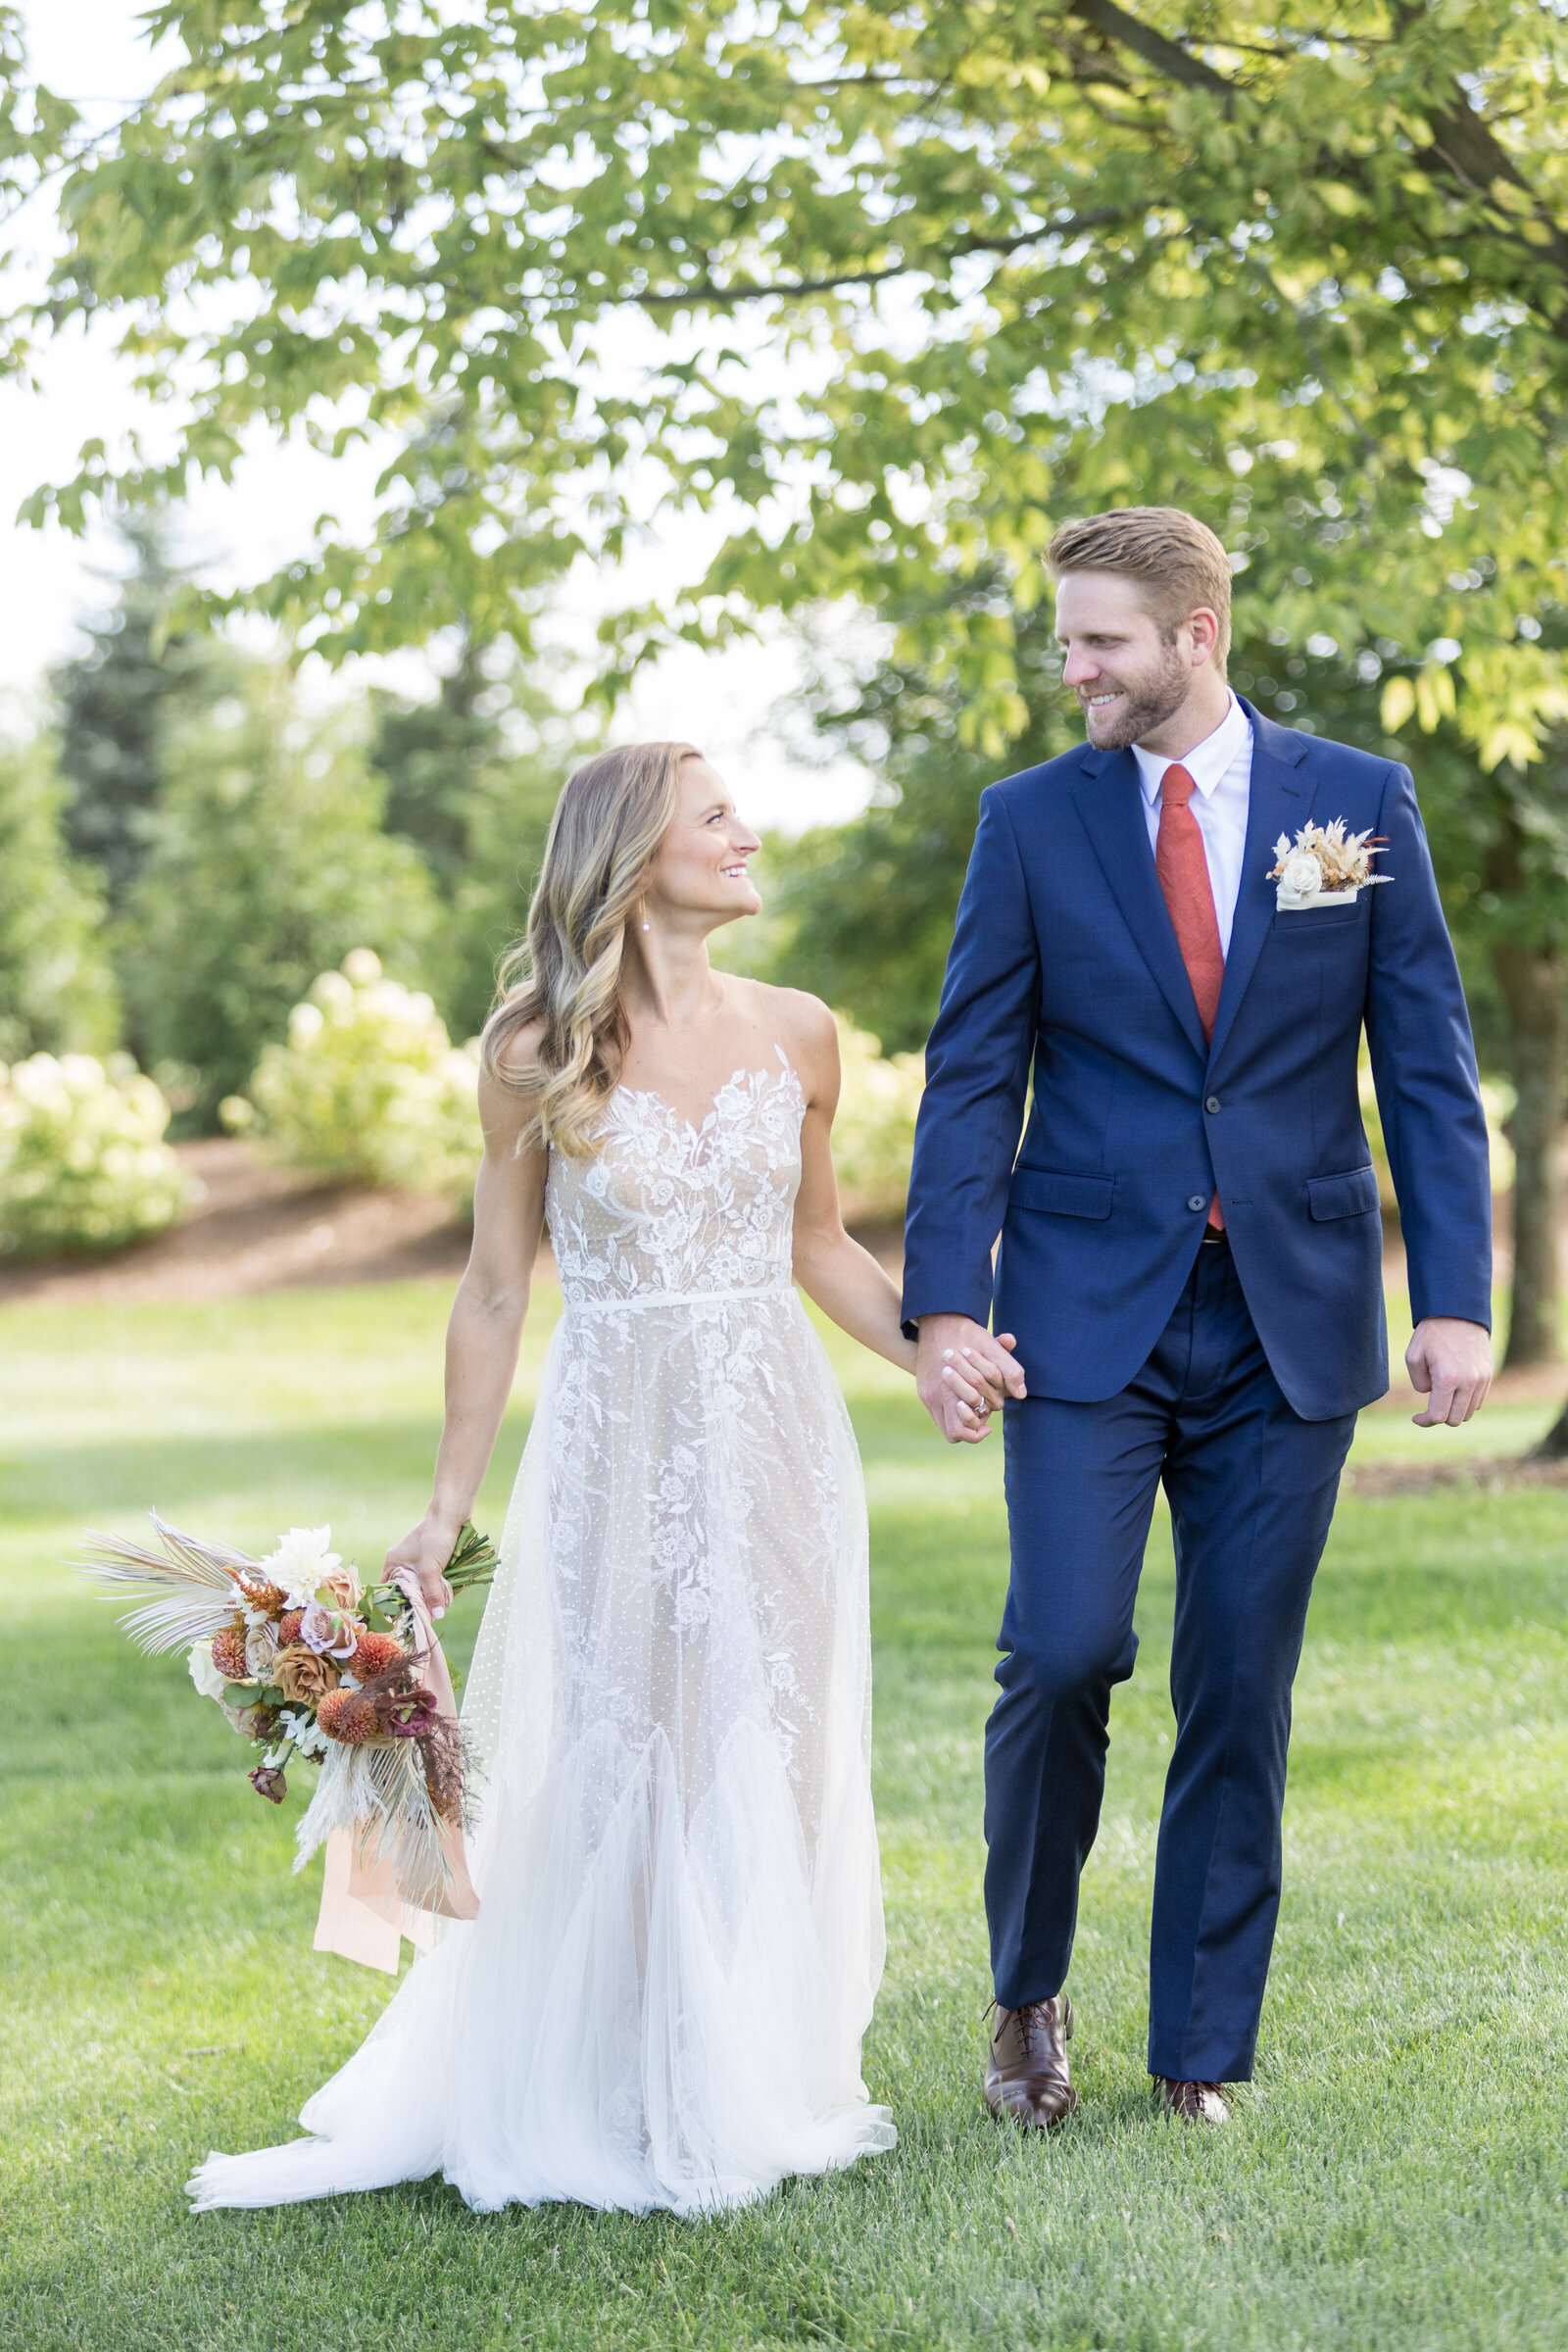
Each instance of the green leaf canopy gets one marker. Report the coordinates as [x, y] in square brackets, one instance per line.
[872, 280]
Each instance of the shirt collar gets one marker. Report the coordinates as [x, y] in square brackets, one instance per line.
[1205, 763]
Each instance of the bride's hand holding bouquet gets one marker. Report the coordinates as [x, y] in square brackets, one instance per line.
[429, 1550]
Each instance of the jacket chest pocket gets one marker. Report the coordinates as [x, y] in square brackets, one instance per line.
[1321, 923]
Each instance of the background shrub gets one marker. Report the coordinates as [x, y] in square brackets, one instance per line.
[873, 1133]
[368, 1088]
[84, 1165]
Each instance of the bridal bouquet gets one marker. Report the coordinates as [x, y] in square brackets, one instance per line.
[309, 1661]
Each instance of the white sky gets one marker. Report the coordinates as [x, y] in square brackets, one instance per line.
[91, 51]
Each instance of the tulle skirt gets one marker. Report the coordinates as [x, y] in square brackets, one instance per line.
[661, 2002]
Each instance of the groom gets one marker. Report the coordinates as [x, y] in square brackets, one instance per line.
[1191, 1261]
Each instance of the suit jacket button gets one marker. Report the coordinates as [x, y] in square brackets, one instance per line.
[1212, 1103]
[1198, 1200]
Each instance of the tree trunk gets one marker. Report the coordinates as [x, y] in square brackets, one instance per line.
[1534, 984]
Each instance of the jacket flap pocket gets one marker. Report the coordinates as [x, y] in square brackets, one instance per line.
[1352, 1195]
[1061, 1196]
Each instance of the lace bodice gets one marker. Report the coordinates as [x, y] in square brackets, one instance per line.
[669, 1209]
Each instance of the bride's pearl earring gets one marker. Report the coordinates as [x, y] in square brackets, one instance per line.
[645, 925]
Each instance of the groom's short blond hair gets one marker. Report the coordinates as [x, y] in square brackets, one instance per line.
[1176, 560]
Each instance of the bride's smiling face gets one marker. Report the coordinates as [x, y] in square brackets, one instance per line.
[702, 860]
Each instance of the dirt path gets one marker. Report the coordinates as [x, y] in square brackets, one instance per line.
[260, 1228]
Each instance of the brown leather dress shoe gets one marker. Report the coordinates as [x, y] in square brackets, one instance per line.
[1193, 2103]
[1026, 2064]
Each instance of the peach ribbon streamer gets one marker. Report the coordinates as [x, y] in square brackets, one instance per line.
[364, 1915]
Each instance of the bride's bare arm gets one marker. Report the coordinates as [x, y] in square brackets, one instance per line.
[482, 1335]
[844, 1280]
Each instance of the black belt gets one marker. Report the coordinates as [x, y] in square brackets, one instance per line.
[1213, 1241]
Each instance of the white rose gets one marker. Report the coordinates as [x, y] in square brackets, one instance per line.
[204, 1674]
[1302, 877]
[260, 1648]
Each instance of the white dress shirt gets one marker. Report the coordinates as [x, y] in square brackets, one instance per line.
[1221, 769]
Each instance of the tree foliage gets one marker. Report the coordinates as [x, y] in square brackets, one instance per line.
[56, 990]
[865, 276]
[267, 864]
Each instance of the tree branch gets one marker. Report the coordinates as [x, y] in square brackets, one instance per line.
[718, 296]
[1167, 57]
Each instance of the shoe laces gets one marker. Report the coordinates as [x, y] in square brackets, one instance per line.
[1191, 2082]
[1030, 2020]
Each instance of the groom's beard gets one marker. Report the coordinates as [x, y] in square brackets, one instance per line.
[1145, 704]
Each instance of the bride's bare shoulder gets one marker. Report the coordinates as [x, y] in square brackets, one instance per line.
[806, 1029]
[509, 1085]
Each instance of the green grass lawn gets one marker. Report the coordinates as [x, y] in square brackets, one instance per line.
[1394, 2180]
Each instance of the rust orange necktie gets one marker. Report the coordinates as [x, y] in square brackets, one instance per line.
[1183, 870]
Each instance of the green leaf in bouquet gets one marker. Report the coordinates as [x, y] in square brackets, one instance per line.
[473, 1560]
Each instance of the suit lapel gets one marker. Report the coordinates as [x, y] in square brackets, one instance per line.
[1279, 800]
[1111, 803]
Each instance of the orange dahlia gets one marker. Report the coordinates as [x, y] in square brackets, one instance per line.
[348, 1716]
[288, 1628]
[375, 1654]
[228, 1651]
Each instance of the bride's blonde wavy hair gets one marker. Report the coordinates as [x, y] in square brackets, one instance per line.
[564, 974]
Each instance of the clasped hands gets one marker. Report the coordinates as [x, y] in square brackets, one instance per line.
[963, 1374]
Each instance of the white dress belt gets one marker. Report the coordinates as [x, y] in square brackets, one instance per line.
[637, 1301]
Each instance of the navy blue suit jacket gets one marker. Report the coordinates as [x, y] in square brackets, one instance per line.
[1063, 959]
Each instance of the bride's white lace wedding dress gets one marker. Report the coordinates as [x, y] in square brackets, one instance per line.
[679, 1938]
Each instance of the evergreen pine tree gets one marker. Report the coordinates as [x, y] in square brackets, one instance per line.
[116, 704]
[477, 809]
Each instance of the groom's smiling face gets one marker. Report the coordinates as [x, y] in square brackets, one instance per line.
[1131, 675]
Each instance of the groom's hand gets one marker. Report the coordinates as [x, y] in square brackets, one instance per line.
[963, 1374]
[1449, 1362]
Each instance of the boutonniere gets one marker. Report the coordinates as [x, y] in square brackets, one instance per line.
[1325, 866]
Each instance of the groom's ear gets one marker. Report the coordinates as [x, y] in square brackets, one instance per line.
[1203, 628]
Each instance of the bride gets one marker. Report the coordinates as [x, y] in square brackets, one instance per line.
[679, 1938]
